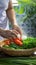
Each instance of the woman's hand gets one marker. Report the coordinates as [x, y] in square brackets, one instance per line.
[11, 34]
[8, 34]
[17, 30]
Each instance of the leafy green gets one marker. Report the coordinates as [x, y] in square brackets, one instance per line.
[27, 44]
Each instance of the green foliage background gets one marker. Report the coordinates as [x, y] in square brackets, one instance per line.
[27, 11]
[26, 6]
[29, 5]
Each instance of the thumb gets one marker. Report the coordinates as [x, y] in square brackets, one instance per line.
[19, 36]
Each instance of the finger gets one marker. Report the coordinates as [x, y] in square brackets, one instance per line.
[15, 31]
[8, 34]
[18, 35]
[19, 31]
[11, 33]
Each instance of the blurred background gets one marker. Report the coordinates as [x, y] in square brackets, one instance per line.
[25, 11]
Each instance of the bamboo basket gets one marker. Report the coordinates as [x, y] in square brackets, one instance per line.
[17, 52]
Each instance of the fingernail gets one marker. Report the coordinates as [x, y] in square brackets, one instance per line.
[18, 35]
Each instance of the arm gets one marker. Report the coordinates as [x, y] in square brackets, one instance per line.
[11, 14]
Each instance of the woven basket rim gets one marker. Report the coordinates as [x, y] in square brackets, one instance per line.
[20, 52]
[18, 49]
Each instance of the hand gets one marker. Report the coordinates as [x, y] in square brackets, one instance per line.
[8, 34]
[17, 30]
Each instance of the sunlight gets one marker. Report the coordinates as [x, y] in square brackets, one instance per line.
[15, 2]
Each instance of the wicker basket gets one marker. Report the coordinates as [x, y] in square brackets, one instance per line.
[18, 52]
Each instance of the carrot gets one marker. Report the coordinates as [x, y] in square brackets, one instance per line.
[7, 42]
[20, 39]
[18, 42]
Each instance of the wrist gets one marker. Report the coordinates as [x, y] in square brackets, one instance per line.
[1, 31]
[15, 24]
